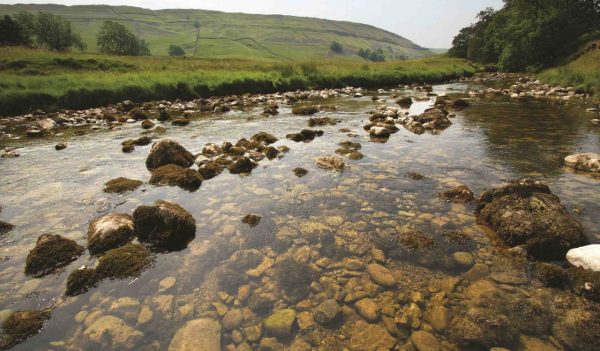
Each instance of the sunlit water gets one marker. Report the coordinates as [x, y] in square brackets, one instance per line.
[496, 139]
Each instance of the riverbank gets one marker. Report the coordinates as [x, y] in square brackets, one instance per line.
[34, 79]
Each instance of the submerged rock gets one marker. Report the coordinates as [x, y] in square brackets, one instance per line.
[51, 252]
[588, 162]
[109, 231]
[127, 261]
[112, 332]
[173, 175]
[327, 312]
[5, 227]
[305, 110]
[121, 185]
[370, 337]
[21, 325]
[579, 329]
[459, 195]
[205, 332]
[381, 275]
[482, 327]
[332, 163]
[251, 219]
[164, 224]
[525, 212]
[300, 172]
[281, 323]
[321, 121]
[425, 341]
[210, 170]
[586, 257]
[167, 152]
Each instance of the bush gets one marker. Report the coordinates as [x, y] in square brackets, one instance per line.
[336, 47]
[115, 39]
[176, 50]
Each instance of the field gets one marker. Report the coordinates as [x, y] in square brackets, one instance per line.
[34, 79]
[232, 35]
[581, 72]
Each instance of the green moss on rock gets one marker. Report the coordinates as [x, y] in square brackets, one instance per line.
[173, 175]
[164, 224]
[121, 185]
[50, 253]
[21, 325]
[128, 261]
[81, 280]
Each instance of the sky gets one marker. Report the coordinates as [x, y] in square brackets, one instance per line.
[429, 23]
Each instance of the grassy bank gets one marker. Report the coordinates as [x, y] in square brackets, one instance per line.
[31, 79]
[582, 72]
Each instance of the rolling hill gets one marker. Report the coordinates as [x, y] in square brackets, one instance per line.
[232, 35]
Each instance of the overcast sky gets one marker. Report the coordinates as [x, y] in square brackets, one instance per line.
[429, 23]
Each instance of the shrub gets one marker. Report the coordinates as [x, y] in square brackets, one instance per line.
[115, 39]
[176, 50]
[336, 47]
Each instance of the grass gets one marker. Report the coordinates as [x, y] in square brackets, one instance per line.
[35, 79]
[582, 72]
[231, 35]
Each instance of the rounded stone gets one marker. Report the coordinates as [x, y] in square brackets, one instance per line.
[280, 324]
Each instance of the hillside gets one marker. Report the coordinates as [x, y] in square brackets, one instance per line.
[232, 35]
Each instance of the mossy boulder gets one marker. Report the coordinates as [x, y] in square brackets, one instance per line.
[167, 152]
[271, 152]
[482, 328]
[525, 212]
[294, 278]
[210, 170]
[434, 119]
[459, 195]
[305, 135]
[331, 163]
[21, 325]
[5, 227]
[147, 124]
[460, 104]
[127, 261]
[164, 224]
[173, 175]
[121, 185]
[579, 328]
[163, 116]
[109, 231]
[50, 253]
[81, 280]
[181, 122]
[251, 220]
[321, 121]
[405, 102]
[242, 165]
[305, 110]
[300, 172]
[141, 141]
[138, 114]
[264, 137]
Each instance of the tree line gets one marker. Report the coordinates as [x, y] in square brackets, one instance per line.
[53, 32]
[527, 34]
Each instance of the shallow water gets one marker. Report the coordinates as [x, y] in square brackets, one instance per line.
[494, 140]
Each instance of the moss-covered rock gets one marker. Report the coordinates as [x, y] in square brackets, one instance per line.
[242, 165]
[173, 175]
[109, 231]
[50, 253]
[460, 104]
[210, 170]
[321, 121]
[264, 137]
[147, 124]
[127, 261]
[459, 195]
[300, 172]
[525, 212]
[305, 110]
[164, 224]
[579, 328]
[81, 280]
[281, 323]
[121, 185]
[180, 122]
[294, 278]
[305, 135]
[553, 276]
[21, 325]
[251, 219]
[138, 114]
[129, 145]
[331, 163]
[167, 152]
[5, 227]
[271, 152]
[163, 116]
[483, 328]
[405, 102]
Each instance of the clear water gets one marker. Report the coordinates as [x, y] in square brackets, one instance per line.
[496, 139]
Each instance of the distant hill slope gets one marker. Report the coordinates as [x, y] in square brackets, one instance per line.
[232, 35]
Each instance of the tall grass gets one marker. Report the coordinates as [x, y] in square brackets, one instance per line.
[31, 79]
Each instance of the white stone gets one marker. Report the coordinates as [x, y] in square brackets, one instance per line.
[587, 257]
[589, 162]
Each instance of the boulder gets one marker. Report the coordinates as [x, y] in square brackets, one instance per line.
[370, 337]
[242, 165]
[586, 257]
[305, 135]
[281, 323]
[305, 110]
[180, 122]
[173, 175]
[232, 319]
[60, 146]
[264, 137]
[381, 275]
[368, 309]
[167, 152]
[164, 224]
[202, 332]
[425, 341]
[5, 227]
[327, 312]
[300, 172]
[526, 213]
[482, 328]
[81, 280]
[21, 325]
[459, 195]
[405, 102]
[109, 231]
[331, 163]
[587, 162]
[434, 119]
[210, 170]
[379, 132]
[50, 253]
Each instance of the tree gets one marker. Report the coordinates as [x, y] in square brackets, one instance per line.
[176, 50]
[336, 47]
[115, 39]
[11, 33]
[197, 26]
[55, 33]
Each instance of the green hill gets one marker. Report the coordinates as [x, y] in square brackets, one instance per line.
[232, 35]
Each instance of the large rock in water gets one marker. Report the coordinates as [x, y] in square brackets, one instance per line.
[199, 334]
[164, 224]
[167, 152]
[525, 212]
[110, 231]
[588, 162]
[51, 252]
[586, 257]
[173, 175]
[434, 118]
[112, 332]
[370, 337]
